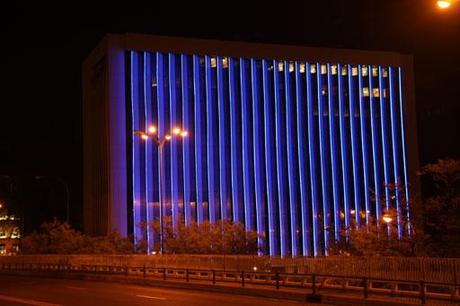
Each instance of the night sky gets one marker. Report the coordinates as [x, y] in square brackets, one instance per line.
[43, 46]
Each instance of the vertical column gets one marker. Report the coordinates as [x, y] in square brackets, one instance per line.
[323, 158]
[383, 123]
[161, 128]
[394, 118]
[137, 145]
[269, 164]
[149, 180]
[290, 138]
[257, 127]
[210, 140]
[302, 154]
[234, 136]
[198, 138]
[173, 145]
[333, 148]
[313, 157]
[354, 143]
[279, 163]
[344, 146]
[245, 108]
[222, 138]
[186, 142]
[375, 146]
[403, 146]
[364, 145]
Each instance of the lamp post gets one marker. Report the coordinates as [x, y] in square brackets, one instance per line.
[67, 192]
[152, 133]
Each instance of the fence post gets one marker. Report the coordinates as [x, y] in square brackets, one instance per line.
[422, 293]
[164, 273]
[365, 287]
[186, 275]
[242, 279]
[213, 277]
[277, 279]
[313, 283]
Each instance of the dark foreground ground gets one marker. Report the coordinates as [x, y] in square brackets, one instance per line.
[15, 291]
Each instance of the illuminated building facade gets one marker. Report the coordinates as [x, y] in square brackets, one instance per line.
[293, 142]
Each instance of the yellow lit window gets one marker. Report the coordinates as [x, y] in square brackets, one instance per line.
[334, 69]
[280, 66]
[323, 69]
[365, 91]
[302, 68]
[375, 92]
[364, 70]
[224, 62]
[375, 71]
[291, 66]
[313, 69]
[344, 70]
[354, 71]
[385, 72]
[213, 62]
[385, 92]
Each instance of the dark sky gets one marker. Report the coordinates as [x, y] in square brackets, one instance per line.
[43, 46]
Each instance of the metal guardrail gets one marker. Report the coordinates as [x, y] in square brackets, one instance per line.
[315, 283]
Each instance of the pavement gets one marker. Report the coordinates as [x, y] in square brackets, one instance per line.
[21, 290]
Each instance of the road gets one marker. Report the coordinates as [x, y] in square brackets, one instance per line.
[15, 291]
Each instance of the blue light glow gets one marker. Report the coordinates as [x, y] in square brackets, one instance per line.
[277, 145]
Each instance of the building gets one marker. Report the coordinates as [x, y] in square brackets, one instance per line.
[10, 233]
[290, 141]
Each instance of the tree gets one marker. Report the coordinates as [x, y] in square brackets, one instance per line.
[442, 207]
[222, 237]
[391, 235]
[59, 238]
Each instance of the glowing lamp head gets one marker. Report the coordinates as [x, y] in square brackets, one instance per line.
[176, 131]
[152, 129]
[254, 268]
[184, 133]
[145, 136]
[387, 218]
[168, 137]
[443, 4]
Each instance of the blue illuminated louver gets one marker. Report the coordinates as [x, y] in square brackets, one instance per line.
[292, 150]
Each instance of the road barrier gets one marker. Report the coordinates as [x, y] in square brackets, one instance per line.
[313, 283]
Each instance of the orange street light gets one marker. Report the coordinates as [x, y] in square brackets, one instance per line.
[387, 218]
[184, 133]
[152, 129]
[443, 4]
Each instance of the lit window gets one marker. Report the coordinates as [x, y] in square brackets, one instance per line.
[385, 72]
[280, 66]
[224, 62]
[302, 68]
[385, 92]
[354, 71]
[365, 91]
[375, 92]
[344, 70]
[364, 70]
[324, 91]
[323, 69]
[291, 66]
[375, 71]
[313, 69]
[334, 69]
[213, 62]
[2, 249]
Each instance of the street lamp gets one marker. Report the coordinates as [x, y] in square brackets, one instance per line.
[387, 219]
[67, 192]
[152, 133]
[444, 4]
